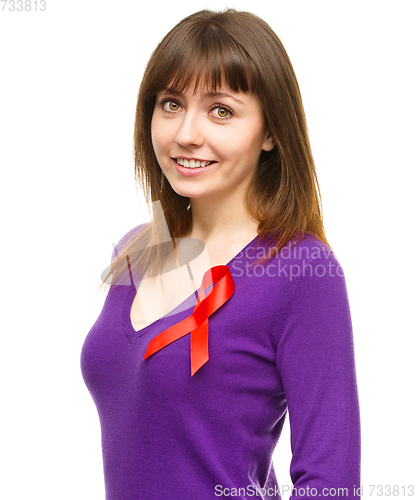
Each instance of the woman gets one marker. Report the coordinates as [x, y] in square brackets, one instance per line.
[201, 351]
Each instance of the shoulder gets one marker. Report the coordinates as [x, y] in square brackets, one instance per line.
[309, 271]
[318, 278]
[317, 301]
[128, 238]
[309, 251]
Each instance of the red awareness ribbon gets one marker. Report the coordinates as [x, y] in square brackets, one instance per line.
[197, 322]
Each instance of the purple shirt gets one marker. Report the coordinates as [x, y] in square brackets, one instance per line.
[282, 343]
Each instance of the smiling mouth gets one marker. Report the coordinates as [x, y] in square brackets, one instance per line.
[193, 163]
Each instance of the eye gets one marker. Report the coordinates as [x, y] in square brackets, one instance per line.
[223, 112]
[172, 106]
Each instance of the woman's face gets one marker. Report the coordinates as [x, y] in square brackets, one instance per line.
[226, 128]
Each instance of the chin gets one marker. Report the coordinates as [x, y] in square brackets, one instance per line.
[188, 193]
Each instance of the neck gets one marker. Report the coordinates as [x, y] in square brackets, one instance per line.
[225, 217]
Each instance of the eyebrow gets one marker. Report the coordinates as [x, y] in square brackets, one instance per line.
[206, 95]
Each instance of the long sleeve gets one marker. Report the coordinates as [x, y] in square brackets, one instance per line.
[315, 361]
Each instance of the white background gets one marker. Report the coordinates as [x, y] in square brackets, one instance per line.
[69, 82]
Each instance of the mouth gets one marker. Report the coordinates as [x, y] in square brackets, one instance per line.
[193, 163]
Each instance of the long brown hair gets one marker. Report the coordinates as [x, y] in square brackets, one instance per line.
[240, 50]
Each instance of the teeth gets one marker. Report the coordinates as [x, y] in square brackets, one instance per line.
[192, 163]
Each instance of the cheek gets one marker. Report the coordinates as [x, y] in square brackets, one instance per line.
[242, 143]
[157, 134]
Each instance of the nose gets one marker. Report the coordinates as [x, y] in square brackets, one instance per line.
[189, 132]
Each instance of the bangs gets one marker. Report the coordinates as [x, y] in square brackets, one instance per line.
[208, 56]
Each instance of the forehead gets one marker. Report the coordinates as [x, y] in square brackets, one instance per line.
[204, 79]
[197, 84]
[223, 91]
[206, 89]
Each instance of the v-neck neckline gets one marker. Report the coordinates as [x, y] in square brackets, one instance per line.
[131, 295]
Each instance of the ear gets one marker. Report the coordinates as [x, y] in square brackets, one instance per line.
[268, 143]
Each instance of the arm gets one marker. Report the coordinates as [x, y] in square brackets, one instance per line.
[315, 360]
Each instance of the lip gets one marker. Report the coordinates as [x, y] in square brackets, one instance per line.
[190, 158]
[191, 172]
